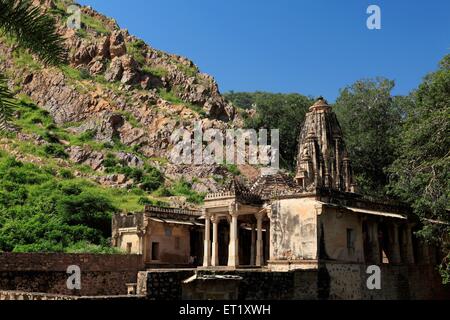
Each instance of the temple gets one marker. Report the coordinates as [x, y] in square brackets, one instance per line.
[279, 222]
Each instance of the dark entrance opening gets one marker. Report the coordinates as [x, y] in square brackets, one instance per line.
[196, 247]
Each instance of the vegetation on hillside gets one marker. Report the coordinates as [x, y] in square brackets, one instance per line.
[43, 212]
[34, 30]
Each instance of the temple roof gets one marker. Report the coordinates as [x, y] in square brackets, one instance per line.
[236, 188]
[270, 185]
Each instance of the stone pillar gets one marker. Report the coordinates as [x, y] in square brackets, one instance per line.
[270, 250]
[215, 243]
[266, 248]
[141, 242]
[207, 241]
[409, 245]
[396, 259]
[233, 247]
[374, 241]
[253, 247]
[259, 240]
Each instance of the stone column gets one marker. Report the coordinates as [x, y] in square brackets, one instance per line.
[215, 243]
[396, 259]
[259, 240]
[207, 241]
[233, 251]
[141, 242]
[426, 258]
[375, 243]
[253, 247]
[409, 244]
[266, 248]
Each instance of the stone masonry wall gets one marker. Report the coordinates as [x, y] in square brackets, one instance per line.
[331, 281]
[401, 282]
[46, 272]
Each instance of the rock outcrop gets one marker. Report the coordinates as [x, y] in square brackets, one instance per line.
[121, 91]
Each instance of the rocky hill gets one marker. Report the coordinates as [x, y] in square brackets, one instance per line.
[107, 114]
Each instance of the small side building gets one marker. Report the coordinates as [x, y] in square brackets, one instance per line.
[166, 237]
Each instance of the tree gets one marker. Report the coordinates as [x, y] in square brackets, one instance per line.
[421, 174]
[371, 120]
[280, 111]
[34, 30]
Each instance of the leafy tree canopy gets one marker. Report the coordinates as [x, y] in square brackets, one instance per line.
[370, 118]
[280, 111]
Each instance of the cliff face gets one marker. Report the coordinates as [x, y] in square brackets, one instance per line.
[119, 91]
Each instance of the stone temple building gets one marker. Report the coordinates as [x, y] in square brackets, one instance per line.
[282, 223]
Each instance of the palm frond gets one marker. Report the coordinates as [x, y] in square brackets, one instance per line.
[33, 29]
[7, 104]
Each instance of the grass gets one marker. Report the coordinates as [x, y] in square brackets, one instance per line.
[190, 71]
[233, 169]
[130, 118]
[135, 49]
[75, 74]
[171, 97]
[94, 24]
[156, 71]
[181, 188]
[24, 59]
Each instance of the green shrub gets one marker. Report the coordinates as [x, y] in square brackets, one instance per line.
[110, 163]
[66, 174]
[88, 135]
[94, 24]
[184, 188]
[152, 202]
[135, 49]
[87, 247]
[233, 169]
[50, 136]
[152, 179]
[55, 150]
[162, 191]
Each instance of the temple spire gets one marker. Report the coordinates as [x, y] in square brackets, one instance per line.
[322, 159]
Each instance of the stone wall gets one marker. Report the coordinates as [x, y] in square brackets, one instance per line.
[401, 282]
[46, 272]
[21, 295]
[331, 281]
[162, 284]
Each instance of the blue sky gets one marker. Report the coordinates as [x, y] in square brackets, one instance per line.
[309, 47]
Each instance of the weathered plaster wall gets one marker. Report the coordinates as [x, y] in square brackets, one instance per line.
[293, 229]
[132, 238]
[174, 243]
[333, 226]
[46, 272]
